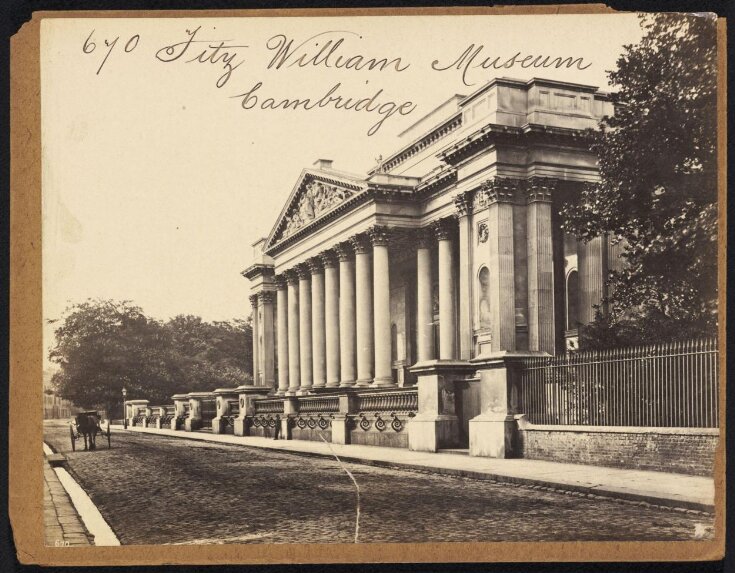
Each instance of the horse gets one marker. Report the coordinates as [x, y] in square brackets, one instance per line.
[87, 425]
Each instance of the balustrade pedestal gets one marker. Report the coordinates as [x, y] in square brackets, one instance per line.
[494, 433]
[224, 395]
[247, 395]
[180, 403]
[436, 425]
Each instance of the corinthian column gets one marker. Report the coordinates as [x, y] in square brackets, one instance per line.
[447, 289]
[282, 343]
[331, 318]
[463, 202]
[381, 307]
[424, 314]
[294, 352]
[364, 303]
[347, 330]
[267, 350]
[540, 266]
[256, 346]
[500, 194]
[306, 354]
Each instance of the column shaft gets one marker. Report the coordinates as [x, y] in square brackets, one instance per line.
[331, 323]
[424, 314]
[465, 278]
[381, 308]
[268, 350]
[282, 312]
[447, 312]
[307, 357]
[364, 326]
[294, 351]
[540, 278]
[347, 331]
[502, 276]
[256, 346]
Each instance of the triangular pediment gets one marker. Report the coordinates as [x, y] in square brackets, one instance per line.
[316, 195]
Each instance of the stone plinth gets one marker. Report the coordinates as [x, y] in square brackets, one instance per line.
[247, 395]
[223, 397]
[180, 403]
[436, 425]
[194, 419]
[494, 433]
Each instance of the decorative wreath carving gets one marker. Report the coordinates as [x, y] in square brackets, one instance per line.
[311, 423]
[301, 423]
[396, 424]
[379, 423]
[323, 423]
[364, 423]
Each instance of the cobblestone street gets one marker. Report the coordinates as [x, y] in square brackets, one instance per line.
[156, 489]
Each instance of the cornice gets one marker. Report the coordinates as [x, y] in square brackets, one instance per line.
[525, 135]
[256, 270]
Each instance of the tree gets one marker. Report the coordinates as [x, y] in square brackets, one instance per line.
[103, 346]
[658, 185]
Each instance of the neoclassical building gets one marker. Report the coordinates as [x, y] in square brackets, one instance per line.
[449, 253]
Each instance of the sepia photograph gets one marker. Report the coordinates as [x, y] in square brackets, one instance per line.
[381, 279]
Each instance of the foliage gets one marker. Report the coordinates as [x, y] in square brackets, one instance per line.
[103, 346]
[658, 188]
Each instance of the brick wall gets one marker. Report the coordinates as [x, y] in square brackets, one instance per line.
[686, 450]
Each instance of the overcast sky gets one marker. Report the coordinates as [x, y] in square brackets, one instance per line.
[156, 182]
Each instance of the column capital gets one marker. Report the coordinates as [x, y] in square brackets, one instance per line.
[315, 265]
[292, 276]
[344, 251]
[424, 238]
[280, 281]
[380, 235]
[540, 189]
[501, 189]
[253, 300]
[303, 271]
[267, 297]
[444, 229]
[463, 202]
[328, 258]
[361, 243]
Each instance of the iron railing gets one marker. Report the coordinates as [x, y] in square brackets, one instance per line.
[662, 385]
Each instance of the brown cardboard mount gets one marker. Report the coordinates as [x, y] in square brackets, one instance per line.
[26, 352]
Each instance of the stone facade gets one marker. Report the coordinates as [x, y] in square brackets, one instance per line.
[447, 252]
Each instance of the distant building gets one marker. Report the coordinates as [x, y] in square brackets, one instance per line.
[55, 407]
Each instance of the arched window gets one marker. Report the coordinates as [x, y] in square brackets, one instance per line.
[572, 300]
[483, 299]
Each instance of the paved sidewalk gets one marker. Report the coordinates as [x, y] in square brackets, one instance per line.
[62, 525]
[665, 489]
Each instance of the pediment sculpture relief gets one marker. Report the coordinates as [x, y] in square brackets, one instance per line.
[317, 198]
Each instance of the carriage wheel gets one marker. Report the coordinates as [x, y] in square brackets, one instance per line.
[73, 439]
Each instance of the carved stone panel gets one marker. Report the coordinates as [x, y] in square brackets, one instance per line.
[316, 199]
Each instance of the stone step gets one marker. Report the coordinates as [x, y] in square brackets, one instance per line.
[456, 451]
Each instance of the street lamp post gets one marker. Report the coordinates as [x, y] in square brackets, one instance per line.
[125, 414]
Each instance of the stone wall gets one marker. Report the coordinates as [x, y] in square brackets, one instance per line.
[681, 450]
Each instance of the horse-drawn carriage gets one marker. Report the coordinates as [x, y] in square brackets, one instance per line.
[87, 425]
